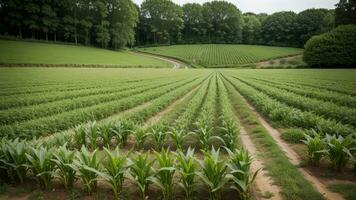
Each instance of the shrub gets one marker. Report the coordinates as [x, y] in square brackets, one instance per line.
[293, 135]
[336, 48]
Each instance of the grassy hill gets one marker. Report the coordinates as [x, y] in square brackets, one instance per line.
[220, 55]
[20, 52]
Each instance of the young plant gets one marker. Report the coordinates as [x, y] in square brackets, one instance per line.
[141, 172]
[115, 165]
[187, 167]
[14, 158]
[92, 132]
[338, 150]
[63, 159]
[122, 130]
[205, 137]
[41, 165]
[177, 136]
[164, 174]
[213, 172]
[316, 147]
[87, 164]
[79, 137]
[229, 133]
[158, 135]
[240, 172]
[140, 136]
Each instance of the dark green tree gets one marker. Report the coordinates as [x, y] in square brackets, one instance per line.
[162, 20]
[309, 23]
[193, 22]
[279, 29]
[223, 21]
[251, 29]
[345, 12]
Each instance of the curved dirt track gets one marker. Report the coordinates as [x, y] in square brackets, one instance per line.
[295, 159]
[263, 182]
[176, 64]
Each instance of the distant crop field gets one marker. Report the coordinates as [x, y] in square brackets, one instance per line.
[220, 55]
[20, 52]
[196, 116]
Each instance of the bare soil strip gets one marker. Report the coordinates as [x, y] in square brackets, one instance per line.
[176, 64]
[159, 115]
[263, 182]
[295, 159]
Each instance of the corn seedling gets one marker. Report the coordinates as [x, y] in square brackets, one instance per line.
[177, 136]
[63, 158]
[229, 132]
[240, 172]
[141, 172]
[79, 137]
[92, 132]
[164, 174]
[115, 166]
[316, 147]
[87, 164]
[338, 150]
[140, 136]
[122, 130]
[41, 165]
[187, 167]
[214, 171]
[14, 158]
[158, 135]
[205, 137]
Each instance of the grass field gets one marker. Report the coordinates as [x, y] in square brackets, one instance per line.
[141, 110]
[20, 52]
[219, 55]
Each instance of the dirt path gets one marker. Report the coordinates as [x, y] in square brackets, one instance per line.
[159, 115]
[295, 159]
[263, 182]
[176, 63]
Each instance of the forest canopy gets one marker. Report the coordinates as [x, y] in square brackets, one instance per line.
[120, 23]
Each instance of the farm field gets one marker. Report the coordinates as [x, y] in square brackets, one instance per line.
[221, 55]
[32, 53]
[152, 116]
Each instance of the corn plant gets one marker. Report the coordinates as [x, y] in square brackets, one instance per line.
[316, 147]
[14, 158]
[164, 174]
[122, 130]
[205, 137]
[79, 137]
[158, 135]
[338, 150]
[229, 133]
[92, 132]
[105, 133]
[187, 167]
[87, 164]
[214, 172]
[63, 159]
[41, 165]
[115, 165]
[141, 172]
[140, 136]
[178, 135]
[240, 172]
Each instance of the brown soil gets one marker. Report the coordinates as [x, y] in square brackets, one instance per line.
[159, 115]
[295, 159]
[263, 182]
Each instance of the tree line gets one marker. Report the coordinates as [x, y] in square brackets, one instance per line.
[119, 23]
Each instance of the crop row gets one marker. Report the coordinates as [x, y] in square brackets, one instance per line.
[55, 123]
[325, 95]
[20, 161]
[12, 116]
[289, 116]
[327, 109]
[27, 100]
